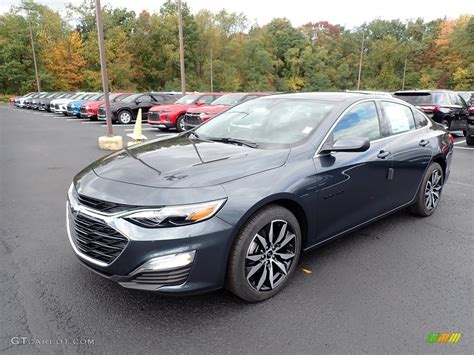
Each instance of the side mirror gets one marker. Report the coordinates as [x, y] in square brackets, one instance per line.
[347, 145]
[138, 102]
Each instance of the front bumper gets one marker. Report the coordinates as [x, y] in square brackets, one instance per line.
[209, 240]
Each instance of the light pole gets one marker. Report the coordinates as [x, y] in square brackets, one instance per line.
[212, 74]
[103, 66]
[38, 83]
[360, 61]
[404, 71]
[181, 49]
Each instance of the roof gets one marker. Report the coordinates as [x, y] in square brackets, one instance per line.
[328, 96]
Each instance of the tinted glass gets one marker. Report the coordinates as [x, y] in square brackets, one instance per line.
[207, 98]
[131, 98]
[360, 121]
[229, 100]
[417, 99]
[399, 117]
[420, 119]
[145, 99]
[271, 123]
[188, 99]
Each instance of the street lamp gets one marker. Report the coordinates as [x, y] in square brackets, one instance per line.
[181, 49]
[38, 83]
[108, 142]
[360, 60]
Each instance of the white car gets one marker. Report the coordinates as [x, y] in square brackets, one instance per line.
[60, 105]
[20, 102]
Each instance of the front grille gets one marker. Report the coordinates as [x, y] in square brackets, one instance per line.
[165, 278]
[69, 108]
[192, 119]
[56, 106]
[101, 112]
[83, 110]
[94, 238]
[102, 206]
[153, 116]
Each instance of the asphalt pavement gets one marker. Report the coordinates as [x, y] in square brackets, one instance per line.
[382, 289]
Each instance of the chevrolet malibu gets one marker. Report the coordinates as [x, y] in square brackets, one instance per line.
[235, 202]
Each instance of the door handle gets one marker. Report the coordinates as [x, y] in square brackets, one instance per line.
[383, 154]
[424, 142]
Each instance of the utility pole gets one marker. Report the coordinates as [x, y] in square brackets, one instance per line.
[360, 61]
[212, 80]
[103, 66]
[38, 84]
[404, 71]
[181, 49]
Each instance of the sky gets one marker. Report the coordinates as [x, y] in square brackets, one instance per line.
[349, 13]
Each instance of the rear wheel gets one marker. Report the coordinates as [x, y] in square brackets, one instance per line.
[430, 191]
[264, 254]
[124, 117]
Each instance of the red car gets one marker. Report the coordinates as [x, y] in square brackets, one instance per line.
[165, 117]
[89, 109]
[197, 115]
[12, 99]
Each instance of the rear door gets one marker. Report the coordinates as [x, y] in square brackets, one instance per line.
[410, 150]
[145, 103]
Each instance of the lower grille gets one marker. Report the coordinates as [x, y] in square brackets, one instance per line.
[94, 238]
[165, 278]
[153, 116]
[83, 110]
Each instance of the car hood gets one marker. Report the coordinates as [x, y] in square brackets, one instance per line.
[76, 102]
[93, 104]
[209, 109]
[172, 108]
[61, 101]
[180, 162]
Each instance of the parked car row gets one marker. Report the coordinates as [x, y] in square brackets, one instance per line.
[169, 110]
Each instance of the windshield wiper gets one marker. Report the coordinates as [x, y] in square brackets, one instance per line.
[235, 141]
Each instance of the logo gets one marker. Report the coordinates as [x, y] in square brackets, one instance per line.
[452, 338]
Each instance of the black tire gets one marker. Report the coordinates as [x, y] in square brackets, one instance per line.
[180, 124]
[163, 129]
[423, 207]
[445, 123]
[469, 140]
[93, 118]
[244, 275]
[124, 117]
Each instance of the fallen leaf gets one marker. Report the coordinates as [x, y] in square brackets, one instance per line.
[306, 271]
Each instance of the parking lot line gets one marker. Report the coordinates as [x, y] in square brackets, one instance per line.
[143, 129]
[459, 142]
[465, 148]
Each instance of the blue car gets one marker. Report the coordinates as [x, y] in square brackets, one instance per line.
[74, 107]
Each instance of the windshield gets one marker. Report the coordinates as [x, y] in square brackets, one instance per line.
[188, 99]
[424, 98]
[269, 122]
[96, 97]
[229, 100]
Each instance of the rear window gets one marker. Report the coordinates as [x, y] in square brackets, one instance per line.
[418, 99]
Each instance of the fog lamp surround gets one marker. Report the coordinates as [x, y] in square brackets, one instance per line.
[173, 216]
[166, 262]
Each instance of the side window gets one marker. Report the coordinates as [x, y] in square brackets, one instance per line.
[460, 101]
[360, 121]
[207, 99]
[158, 98]
[250, 97]
[144, 99]
[400, 118]
[420, 119]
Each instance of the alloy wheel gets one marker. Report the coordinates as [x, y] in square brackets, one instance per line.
[125, 117]
[433, 189]
[270, 256]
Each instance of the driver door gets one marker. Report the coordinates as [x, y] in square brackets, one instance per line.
[353, 185]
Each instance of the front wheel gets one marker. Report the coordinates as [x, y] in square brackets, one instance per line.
[264, 254]
[124, 117]
[469, 140]
[430, 191]
[180, 126]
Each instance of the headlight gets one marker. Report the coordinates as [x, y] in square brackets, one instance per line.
[171, 216]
